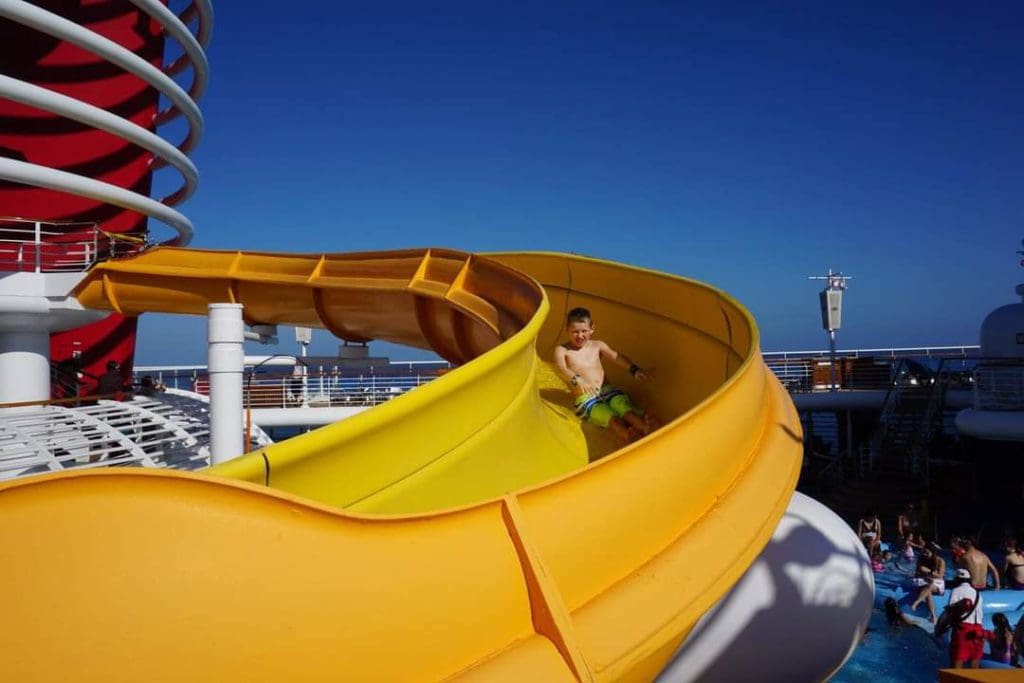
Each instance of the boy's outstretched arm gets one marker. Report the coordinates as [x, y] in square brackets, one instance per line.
[623, 361]
[579, 385]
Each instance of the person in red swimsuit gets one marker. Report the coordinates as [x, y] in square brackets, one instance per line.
[967, 640]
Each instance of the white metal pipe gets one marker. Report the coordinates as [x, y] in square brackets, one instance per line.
[266, 361]
[226, 360]
[41, 176]
[24, 366]
[204, 10]
[39, 260]
[69, 107]
[59, 27]
[302, 417]
[175, 28]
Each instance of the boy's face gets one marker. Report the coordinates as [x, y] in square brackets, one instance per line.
[579, 333]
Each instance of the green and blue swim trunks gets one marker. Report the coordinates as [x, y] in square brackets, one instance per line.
[608, 403]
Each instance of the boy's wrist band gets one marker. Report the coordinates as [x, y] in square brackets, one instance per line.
[633, 369]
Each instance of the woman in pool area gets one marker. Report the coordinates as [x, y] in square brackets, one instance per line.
[930, 578]
[907, 522]
[1013, 565]
[869, 529]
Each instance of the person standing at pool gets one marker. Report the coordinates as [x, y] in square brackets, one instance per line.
[978, 564]
[967, 641]
[579, 362]
[907, 522]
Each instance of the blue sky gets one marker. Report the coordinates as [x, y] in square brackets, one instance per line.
[745, 145]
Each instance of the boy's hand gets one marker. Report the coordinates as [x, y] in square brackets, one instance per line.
[644, 375]
[585, 388]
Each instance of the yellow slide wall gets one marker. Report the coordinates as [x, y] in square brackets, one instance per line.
[512, 558]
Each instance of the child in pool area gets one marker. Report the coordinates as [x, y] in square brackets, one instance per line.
[579, 362]
[1000, 639]
[877, 561]
[911, 545]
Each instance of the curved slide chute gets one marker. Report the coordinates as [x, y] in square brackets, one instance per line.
[458, 530]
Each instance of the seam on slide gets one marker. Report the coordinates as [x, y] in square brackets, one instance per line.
[551, 618]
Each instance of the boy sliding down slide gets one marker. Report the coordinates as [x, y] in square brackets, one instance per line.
[579, 363]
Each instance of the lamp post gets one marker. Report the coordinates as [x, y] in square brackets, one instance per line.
[303, 336]
[831, 300]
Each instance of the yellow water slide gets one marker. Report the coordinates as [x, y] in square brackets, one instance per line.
[471, 528]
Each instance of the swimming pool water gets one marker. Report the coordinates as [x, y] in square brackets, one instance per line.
[890, 654]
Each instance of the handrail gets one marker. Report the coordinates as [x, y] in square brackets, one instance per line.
[834, 465]
[23, 219]
[74, 400]
[894, 352]
[888, 408]
[43, 251]
[922, 436]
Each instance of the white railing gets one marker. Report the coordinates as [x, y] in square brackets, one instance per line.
[964, 350]
[861, 369]
[334, 386]
[45, 247]
[181, 103]
[999, 387]
[319, 386]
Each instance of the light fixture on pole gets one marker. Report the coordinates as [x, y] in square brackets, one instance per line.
[831, 300]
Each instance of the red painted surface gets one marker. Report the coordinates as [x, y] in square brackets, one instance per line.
[91, 346]
[36, 136]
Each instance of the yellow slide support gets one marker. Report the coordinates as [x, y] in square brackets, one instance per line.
[456, 531]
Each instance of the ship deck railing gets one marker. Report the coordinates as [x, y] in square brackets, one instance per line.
[870, 369]
[31, 246]
[321, 386]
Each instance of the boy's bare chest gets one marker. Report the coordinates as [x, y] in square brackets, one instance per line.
[586, 357]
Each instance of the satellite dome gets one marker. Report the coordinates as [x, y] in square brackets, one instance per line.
[1002, 332]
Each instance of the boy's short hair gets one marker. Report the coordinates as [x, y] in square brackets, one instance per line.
[578, 315]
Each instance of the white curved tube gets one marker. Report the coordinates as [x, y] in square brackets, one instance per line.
[47, 22]
[40, 176]
[69, 107]
[204, 31]
[796, 615]
[177, 30]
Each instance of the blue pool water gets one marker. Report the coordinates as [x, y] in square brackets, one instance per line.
[909, 653]
[893, 654]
